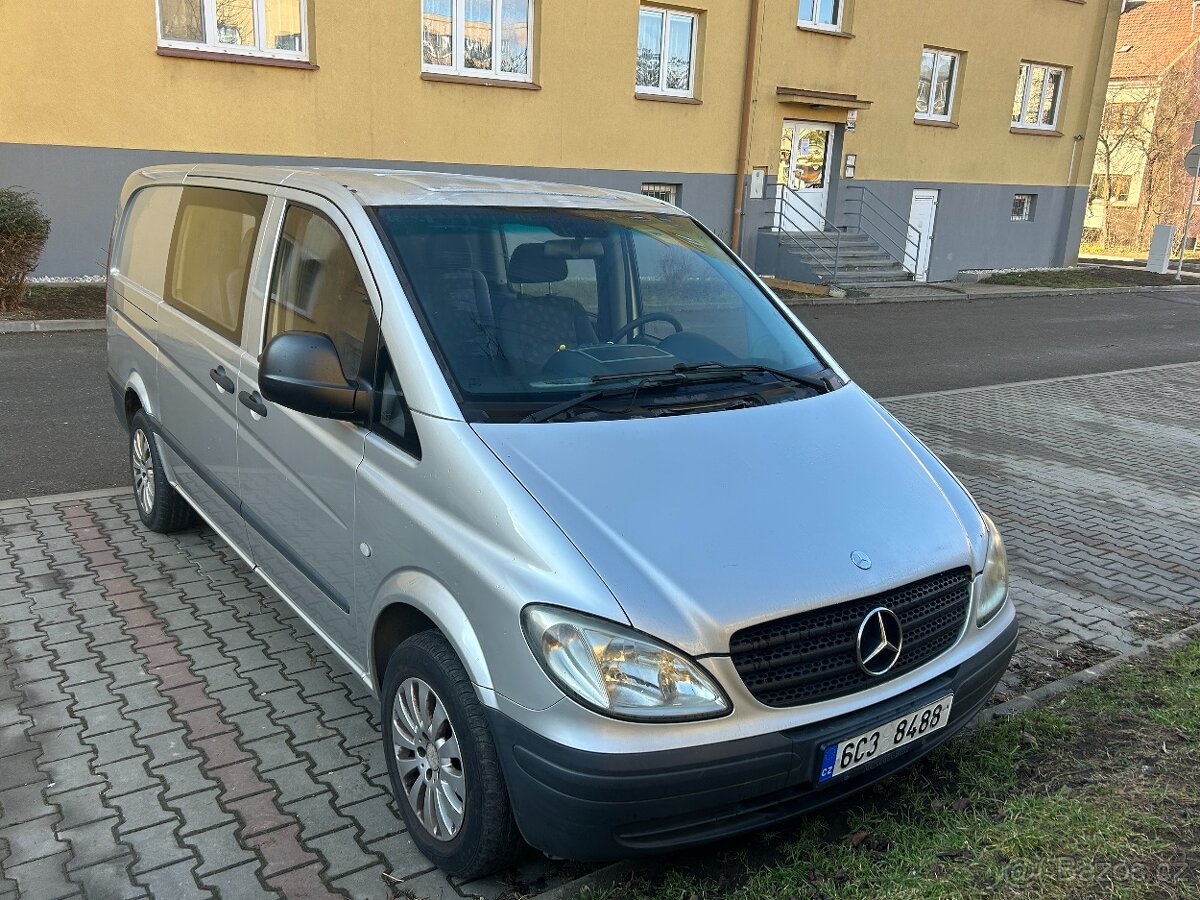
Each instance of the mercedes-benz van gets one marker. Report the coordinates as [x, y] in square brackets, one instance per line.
[630, 561]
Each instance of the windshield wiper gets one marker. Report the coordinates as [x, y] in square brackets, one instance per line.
[823, 381]
[649, 382]
[676, 377]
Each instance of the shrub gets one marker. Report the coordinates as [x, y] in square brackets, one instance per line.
[24, 229]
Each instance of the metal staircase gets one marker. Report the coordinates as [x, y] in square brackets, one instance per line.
[868, 248]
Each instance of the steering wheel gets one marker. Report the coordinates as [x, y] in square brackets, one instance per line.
[628, 327]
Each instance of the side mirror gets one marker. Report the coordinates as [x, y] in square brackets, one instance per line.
[301, 370]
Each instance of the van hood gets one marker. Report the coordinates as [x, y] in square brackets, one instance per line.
[703, 524]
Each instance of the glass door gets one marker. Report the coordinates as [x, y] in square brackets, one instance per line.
[803, 176]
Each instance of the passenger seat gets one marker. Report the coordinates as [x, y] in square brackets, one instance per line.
[535, 327]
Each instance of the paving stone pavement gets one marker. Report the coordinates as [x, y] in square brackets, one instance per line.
[1095, 484]
[168, 727]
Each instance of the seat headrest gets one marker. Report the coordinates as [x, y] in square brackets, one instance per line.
[530, 265]
[449, 250]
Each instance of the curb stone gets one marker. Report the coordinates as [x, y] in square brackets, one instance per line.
[1056, 688]
[24, 327]
[951, 294]
[96, 494]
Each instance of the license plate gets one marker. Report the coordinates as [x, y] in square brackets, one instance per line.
[870, 745]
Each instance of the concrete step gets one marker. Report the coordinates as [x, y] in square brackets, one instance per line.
[830, 239]
[847, 253]
[866, 263]
[869, 278]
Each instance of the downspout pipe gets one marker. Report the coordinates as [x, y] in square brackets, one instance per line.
[743, 152]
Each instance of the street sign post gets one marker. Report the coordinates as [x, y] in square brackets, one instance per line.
[1191, 162]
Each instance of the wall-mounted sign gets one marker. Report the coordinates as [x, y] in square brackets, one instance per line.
[851, 119]
[851, 164]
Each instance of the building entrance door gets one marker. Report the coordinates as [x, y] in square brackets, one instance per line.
[921, 217]
[803, 155]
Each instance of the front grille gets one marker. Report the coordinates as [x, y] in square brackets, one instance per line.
[810, 656]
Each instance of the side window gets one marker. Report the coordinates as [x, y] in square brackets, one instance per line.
[393, 419]
[209, 263]
[146, 237]
[316, 286]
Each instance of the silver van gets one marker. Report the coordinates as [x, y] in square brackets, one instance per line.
[629, 560]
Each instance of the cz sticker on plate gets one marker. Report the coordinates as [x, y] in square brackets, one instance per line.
[862, 748]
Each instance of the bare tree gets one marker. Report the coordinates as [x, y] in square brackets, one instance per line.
[1145, 129]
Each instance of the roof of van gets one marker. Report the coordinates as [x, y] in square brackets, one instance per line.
[399, 187]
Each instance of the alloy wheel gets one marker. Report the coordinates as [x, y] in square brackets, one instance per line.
[143, 471]
[428, 758]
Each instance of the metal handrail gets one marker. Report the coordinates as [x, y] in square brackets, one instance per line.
[790, 201]
[868, 201]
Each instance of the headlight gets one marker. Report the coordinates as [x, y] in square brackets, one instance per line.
[993, 583]
[618, 671]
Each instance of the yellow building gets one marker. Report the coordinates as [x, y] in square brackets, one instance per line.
[788, 126]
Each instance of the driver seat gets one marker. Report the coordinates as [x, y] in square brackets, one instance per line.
[532, 328]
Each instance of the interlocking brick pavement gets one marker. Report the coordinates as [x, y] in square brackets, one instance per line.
[1095, 485]
[169, 728]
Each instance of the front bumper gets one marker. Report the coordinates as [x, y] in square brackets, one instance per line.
[590, 806]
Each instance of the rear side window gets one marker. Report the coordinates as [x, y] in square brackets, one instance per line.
[146, 237]
[209, 263]
[316, 286]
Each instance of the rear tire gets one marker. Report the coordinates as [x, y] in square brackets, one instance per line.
[443, 762]
[159, 505]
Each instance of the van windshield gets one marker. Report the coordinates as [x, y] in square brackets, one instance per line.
[532, 308]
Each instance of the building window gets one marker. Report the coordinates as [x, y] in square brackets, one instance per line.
[1023, 207]
[935, 87]
[668, 193]
[1038, 97]
[666, 52]
[478, 38]
[1118, 187]
[1122, 116]
[826, 14]
[272, 28]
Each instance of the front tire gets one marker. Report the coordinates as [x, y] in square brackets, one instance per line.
[443, 763]
[159, 505]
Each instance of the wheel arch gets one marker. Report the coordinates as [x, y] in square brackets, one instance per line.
[136, 397]
[412, 602]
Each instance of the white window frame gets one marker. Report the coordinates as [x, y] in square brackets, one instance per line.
[458, 26]
[661, 89]
[1030, 208]
[1025, 79]
[812, 23]
[212, 45]
[929, 115]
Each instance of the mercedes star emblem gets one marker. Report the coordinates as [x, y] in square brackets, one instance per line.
[860, 559]
[879, 640]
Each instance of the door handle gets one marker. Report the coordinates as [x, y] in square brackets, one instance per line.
[224, 382]
[253, 402]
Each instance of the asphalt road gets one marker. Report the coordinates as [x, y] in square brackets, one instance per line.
[908, 348]
[58, 432]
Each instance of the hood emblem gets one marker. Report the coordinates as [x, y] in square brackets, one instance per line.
[861, 560]
[880, 638]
